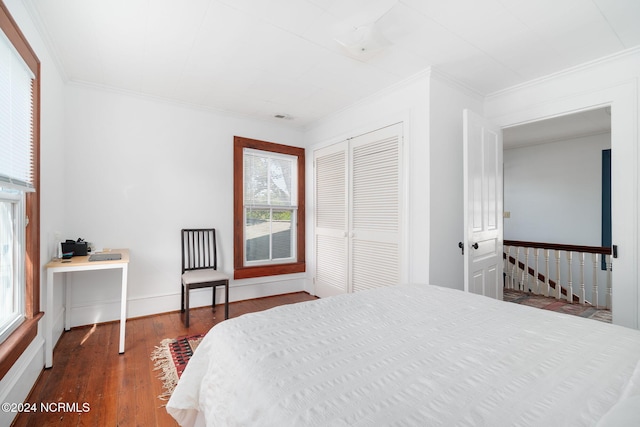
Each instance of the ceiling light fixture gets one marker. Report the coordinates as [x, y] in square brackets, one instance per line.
[363, 42]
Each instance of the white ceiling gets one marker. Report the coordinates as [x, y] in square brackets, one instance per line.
[582, 124]
[261, 58]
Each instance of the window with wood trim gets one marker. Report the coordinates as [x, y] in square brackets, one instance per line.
[21, 336]
[268, 208]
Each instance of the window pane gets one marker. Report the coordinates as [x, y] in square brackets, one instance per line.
[256, 177]
[257, 234]
[280, 172]
[282, 226]
[7, 306]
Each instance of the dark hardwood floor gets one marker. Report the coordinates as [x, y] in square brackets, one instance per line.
[121, 390]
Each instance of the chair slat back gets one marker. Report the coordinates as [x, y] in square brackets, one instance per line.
[199, 249]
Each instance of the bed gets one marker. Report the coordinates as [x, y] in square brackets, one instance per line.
[411, 355]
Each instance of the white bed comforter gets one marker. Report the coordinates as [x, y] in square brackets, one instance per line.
[407, 356]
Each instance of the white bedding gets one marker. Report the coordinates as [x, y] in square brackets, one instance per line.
[407, 355]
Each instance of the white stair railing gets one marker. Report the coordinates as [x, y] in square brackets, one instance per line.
[525, 276]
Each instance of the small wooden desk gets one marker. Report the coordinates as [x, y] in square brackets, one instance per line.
[81, 263]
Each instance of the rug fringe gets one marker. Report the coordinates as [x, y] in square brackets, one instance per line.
[161, 357]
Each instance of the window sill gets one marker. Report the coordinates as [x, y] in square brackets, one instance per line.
[269, 270]
[13, 347]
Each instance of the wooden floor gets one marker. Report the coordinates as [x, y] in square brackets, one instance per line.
[121, 390]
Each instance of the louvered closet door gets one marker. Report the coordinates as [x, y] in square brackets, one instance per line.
[331, 275]
[375, 208]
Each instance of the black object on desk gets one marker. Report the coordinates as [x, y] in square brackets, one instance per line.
[78, 248]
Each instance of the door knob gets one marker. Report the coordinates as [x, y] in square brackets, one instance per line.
[461, 246]
[475, 245]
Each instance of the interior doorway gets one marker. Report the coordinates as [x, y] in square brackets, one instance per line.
[554, 191]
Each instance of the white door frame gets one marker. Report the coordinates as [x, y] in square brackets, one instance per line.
[625, 182]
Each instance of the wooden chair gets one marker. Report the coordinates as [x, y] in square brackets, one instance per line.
[199, 268]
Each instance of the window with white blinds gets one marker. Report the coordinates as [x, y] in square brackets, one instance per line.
[358, 219]
[16, 130]
[270, 207]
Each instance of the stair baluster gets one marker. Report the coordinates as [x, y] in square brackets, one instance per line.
[547, 288]
[525, 272]
[558, 282]
[582, 293]
[594, 287]
[536, 253]
[609, 268]
[570, 276]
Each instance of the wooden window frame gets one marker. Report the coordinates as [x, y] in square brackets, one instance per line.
[16, 343]
[240, 270]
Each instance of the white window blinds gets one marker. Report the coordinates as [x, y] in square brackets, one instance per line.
[16, 129]
[270, 207]
[269, 179]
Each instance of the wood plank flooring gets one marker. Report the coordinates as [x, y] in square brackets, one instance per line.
[121, 390]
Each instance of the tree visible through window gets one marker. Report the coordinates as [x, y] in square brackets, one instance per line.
[270, 205]
[269, 208]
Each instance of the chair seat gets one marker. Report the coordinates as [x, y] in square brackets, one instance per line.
[203, 276]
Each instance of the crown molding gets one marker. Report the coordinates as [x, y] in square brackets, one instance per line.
[183, 104]
[33, 12]
[566, 72]
[447, 79]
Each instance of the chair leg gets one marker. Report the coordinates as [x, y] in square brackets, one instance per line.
[213, 300]
[186, 303]
[181, 298]
[226, 300]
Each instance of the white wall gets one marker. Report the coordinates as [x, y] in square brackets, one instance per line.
[446, 215]
[609, 81]
[407, 103]
[16, 384]
[138, 170]
[430, 105]
[554, 191]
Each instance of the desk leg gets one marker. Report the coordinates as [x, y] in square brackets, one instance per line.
[48, 330]
[123, 308]
[67, 306]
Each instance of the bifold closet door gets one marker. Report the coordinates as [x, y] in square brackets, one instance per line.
[375, 201]
[331, 222]
[357, 213]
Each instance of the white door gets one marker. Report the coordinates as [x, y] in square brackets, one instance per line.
[331, 221]
[482, 154]
[375, 208]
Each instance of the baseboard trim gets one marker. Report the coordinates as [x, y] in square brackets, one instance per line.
[108, 311]
[16, 385]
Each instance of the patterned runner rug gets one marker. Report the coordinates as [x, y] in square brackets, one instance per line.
[171, 357]
[558, 305]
